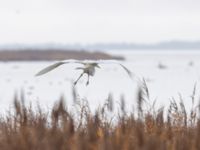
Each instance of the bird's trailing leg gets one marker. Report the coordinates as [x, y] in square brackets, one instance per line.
[88, 79]
[78, 78]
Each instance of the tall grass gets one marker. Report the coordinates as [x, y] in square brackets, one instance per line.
[60, 129]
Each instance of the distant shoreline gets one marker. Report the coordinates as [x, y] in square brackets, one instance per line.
[100, 46]
[47, 55]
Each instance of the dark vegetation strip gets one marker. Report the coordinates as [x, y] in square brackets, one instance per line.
[42, 55]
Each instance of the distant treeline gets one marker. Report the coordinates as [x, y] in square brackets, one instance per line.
[44, 55]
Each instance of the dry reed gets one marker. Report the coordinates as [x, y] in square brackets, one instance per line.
[59, 129]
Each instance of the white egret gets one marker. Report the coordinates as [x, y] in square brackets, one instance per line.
[88, 67]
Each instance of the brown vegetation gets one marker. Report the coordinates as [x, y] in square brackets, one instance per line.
[61, 129]
[41, 55]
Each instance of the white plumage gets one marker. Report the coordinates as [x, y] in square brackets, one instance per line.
[88, 68]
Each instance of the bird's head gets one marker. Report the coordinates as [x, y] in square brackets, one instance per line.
[96, 65]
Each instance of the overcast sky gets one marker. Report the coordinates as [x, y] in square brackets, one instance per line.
[91, 21]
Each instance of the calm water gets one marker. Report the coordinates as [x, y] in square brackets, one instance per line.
[168, 74]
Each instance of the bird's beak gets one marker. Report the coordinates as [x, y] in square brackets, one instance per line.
[98, 66]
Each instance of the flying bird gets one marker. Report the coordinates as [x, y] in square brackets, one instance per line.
[88, 67]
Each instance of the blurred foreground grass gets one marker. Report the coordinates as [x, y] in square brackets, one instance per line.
[26, 128]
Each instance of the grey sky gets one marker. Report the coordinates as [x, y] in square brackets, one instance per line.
[89, 21]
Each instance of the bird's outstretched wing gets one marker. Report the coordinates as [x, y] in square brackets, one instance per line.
[49, 68]
[55, 65]
[131, 75]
